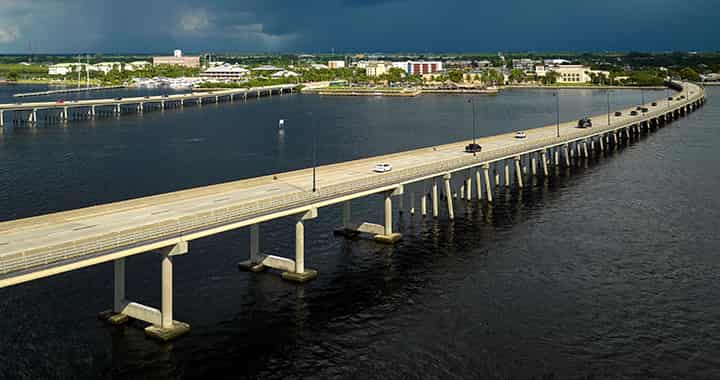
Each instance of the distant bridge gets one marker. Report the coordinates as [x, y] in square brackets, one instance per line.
[63, 111]
[46, 245]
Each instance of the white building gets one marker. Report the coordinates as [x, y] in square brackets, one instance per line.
[266, 68]
[419, 67]
[375, 69]
[319, 66]
[336, 64]
[575, 73]
[225, 72]
[285, 74]
[67, 68]
[106, 67]
[136, 65]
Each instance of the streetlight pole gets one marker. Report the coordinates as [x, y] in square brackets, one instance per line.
[314, 152]
[642, 94]
[608, 107]
[557, 109]
[472, 104]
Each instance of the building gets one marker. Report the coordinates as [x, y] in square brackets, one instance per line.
[419, 67]
[225, 72]
[376, 69]
[285, 74]
[575, 73]
[177, 59]
[266, 68]
[136, 65]
[106, 67]
[336, 64]
[524, 64]
[67, 68]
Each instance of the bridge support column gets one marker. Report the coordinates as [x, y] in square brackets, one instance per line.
[533, 163]
[423, 205]
[507, 173]
[488, 184]
[518, 172]
[254, 264]
[544, 162]
[556, 153]
[567, 155]
[163, 326]
[33, 116]
[65, 113]
[92, 112]
[585, 149]
[448, 192]
[162, 105]
[435, 199]
[602, 143]
[298, 272]
[117, 109]
[388, 236]
[478, 184]
[2, 121]
[468, 188]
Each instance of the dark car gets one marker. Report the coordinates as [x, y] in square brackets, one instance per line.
[118, 98]
[618, 113]
[654, 104]
[682, 96]
[633, 113]
[670, 98]
[644, 109]
[147, 97]
[60, 101]
[638, 108]
[585, 122]
[165, 95]
[473, 148]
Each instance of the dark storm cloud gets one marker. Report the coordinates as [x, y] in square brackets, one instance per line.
[356, 25]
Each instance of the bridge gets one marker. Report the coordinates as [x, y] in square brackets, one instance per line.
[61, 111]
[41, 246]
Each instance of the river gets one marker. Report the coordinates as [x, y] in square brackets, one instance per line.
[606, 270]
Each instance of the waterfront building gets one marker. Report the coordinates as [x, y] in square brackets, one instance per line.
[106, 67]
[376, 69]
[67, 68]
[575, 73]
[177, 59]
[419, 67]
[225, 72]
[336, 64]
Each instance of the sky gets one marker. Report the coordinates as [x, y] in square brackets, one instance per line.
[348, 26]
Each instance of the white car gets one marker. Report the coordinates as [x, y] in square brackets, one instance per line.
[520, 135]
[382, 168]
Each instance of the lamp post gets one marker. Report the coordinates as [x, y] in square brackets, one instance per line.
[557, 110]
[642, 95]
[314, 152]
[472, 104]
[608, 107]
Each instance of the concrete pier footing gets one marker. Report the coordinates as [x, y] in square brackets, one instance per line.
[163, 327]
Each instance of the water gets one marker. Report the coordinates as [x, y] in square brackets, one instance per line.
[607, 270]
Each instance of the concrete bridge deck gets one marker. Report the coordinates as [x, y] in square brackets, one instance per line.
[44, 245]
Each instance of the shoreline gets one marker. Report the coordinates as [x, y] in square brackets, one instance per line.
[579, 87]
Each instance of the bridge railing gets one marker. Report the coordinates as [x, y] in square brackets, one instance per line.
[225, 215]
